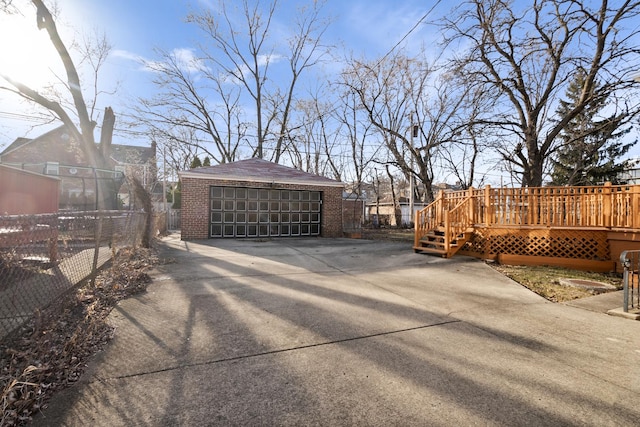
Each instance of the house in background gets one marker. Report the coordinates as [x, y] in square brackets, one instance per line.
[386, 213]
[352, 213]
[27, 193]
[631, 176]
[57, 153]
[140, 162]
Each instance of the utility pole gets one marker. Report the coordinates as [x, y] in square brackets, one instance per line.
[414, 133]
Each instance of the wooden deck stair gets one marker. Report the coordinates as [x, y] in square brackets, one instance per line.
[443, 227]
[434, 243]
[583, 227]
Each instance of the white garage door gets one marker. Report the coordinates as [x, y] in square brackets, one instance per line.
[259, 212]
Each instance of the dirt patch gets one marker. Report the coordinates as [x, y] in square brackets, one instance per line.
[50, 352]
[591, 285]
[399, 234]
[547, 281]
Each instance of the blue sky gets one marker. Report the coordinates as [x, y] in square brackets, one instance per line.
[368, 28]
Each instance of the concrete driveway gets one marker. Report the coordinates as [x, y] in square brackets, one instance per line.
[350, 332]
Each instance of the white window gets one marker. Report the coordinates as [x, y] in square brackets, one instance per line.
[52, 168]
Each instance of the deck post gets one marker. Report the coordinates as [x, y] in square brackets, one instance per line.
[447, 232]
[607, 202]
[416, 229]
[440, 207]
[635, 207]
[488, 207]
[472, 205]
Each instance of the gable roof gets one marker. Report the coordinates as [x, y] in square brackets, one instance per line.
[122, 154]
[259, 170]
[19, 142]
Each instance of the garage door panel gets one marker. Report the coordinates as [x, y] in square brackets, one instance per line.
[216, 192]
[250, 212]
[216, 230]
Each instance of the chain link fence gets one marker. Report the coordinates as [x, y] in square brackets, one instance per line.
[44, 256]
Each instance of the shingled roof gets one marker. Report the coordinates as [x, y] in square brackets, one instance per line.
[259, 170]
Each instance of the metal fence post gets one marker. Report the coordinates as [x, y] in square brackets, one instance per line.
[626, 263]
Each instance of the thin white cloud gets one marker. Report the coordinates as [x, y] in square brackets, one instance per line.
[184, 58]
[187, 60]
[119, 53]
[263, 61]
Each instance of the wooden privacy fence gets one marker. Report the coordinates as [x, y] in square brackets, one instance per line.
[585, 227]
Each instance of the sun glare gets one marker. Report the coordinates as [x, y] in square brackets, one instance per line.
[26, 53]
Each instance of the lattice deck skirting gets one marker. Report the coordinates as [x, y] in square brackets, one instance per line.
[489, 242]
[578, 227]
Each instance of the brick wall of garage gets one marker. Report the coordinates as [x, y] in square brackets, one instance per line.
[195, 205]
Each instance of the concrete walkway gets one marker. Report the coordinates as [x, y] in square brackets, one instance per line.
[339, 332]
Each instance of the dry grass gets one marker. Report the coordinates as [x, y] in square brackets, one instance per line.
[545, 281]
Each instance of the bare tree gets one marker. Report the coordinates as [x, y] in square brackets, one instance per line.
[462, 152]
[303, 146]
[176, 154]
[402, 96]
[525, 56]
[83, 132]
[7, 6]
[244, 51]
[355, 128]
[181, 113]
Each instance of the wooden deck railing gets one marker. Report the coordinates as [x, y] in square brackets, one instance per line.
[608, 206]
[605, 207]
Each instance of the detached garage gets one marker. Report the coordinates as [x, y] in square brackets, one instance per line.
[256, 198]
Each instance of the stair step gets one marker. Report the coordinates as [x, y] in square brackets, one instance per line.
[431, 251]
[432, 242]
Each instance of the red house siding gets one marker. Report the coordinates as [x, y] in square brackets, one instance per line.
[195, 212]
[25, 193]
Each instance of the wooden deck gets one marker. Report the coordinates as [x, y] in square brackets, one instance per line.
[581, 227]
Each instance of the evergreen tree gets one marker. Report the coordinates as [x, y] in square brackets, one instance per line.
[206, 161]
[196, 163]
[591, 146]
